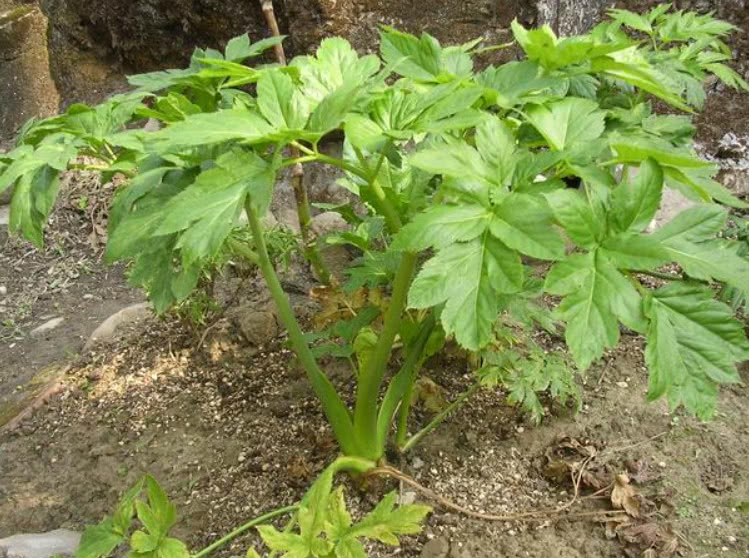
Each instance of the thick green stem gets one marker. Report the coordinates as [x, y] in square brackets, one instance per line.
[335, 410]
[244, 251]
[403, 381]
[403, 414]
[239, 530]
[435, 422]
[370, 378]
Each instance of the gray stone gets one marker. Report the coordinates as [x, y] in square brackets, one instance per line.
[288, 217]
[4, 215]
[46, 327]
[258, 326]
[737, 181]
[40, 545]
[129, 315]
[571, 17]
[436, 548]
[6, 195]
[326, 223]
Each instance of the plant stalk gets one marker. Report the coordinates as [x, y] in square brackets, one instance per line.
[403, 380]
[335, 411]
[370, 378]
[239, 530]
[441, 416]
[270, 19]
[297, 172]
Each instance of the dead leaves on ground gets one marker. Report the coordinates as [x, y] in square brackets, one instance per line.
[624, 497]
[596, 472]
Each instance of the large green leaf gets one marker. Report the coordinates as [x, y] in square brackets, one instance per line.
[543, 46]
[710, 260]
[207, 128]
[567, 122]
[422, 58]
[695, 224]
[467, 276]
[334, 65]
[523, 223]
[635, 251]
[515, 83]
[99, 540]
[32, 202]
[442, 225]
[280, 102]
[596, 297]
[635, 203]
[454, 160]
[573, 212]
[332, 109]
[496, 143]
[693, 343]
[209, 207]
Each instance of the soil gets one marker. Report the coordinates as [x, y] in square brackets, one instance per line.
[66, 279]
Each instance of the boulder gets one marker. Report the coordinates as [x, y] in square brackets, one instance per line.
[25, 81]
[60, 542]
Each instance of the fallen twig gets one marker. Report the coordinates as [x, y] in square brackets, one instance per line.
[536, 515]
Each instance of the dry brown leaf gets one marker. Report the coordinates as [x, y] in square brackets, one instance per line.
[595, 479]
[647, 534]
[430, 394]
[623, 496]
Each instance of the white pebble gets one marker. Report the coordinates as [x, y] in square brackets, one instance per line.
[622, 384]
[3, 290]
[731, 539]
[662, 464]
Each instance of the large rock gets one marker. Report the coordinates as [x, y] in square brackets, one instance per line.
[571, 17]
[60, 542]
[27, 89]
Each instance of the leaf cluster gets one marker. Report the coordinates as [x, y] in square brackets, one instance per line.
[156, 515]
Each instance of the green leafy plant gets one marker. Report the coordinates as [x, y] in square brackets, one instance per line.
[463, 175]
[326, 528]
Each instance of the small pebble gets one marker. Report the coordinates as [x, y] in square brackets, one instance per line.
[417, 463]
[241, 458]
[88, 296]
[732, 539]
[520, 429]
[622, 384]
[3, 290]
[662, 464]
[716, 521]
